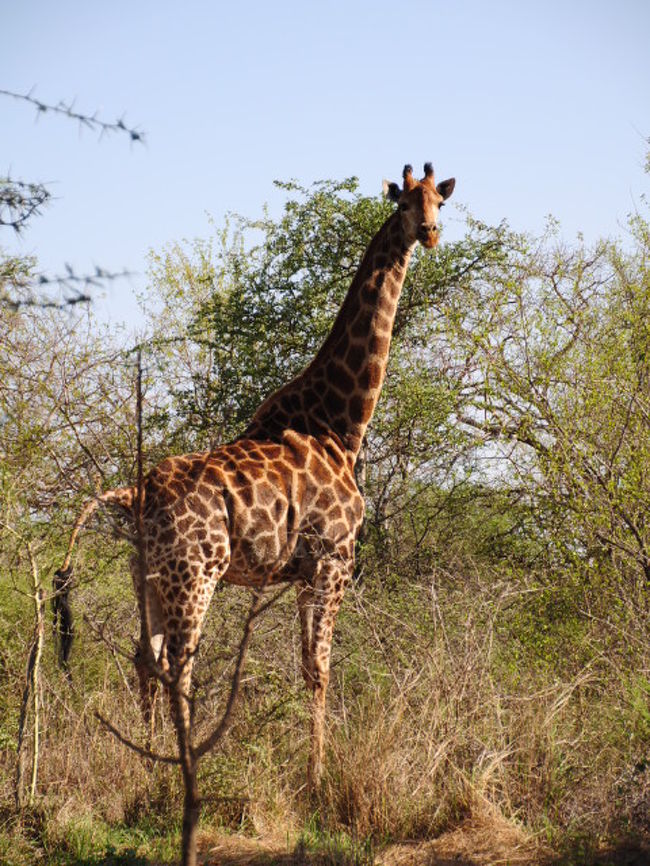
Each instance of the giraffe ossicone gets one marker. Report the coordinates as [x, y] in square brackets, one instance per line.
[280, 503]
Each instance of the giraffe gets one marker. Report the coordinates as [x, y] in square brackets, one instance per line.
[280, 503]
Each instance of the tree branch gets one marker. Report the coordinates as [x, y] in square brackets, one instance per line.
[258, 607]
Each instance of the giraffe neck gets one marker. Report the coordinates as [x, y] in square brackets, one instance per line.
[337, 393]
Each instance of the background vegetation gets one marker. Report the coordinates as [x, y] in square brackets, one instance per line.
[492, 659]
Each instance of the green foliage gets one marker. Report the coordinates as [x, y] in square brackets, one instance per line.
[558, 384]
[255, 304]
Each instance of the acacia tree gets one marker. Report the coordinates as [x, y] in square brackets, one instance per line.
[562, 348]
[63, 412]
[244, 311]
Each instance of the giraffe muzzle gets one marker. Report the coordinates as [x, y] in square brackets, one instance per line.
[428, 236]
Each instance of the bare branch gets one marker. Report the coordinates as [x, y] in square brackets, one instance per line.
[144, 753]
[72, 282]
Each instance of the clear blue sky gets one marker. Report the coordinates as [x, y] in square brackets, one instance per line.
[536, 108]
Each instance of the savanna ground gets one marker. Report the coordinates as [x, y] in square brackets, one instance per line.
[490, 693]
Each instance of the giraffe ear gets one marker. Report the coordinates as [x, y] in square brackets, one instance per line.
[391, 191]
[446, 187]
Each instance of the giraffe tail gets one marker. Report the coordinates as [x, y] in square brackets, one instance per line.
[122, 497]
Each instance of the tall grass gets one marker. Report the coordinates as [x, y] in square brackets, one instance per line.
[447, 704]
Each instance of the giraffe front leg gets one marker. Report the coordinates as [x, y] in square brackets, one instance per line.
[329, 586]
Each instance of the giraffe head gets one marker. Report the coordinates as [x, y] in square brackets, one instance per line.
[419, 203]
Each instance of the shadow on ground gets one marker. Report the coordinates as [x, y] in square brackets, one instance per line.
[470, 845]
[475, 843]
[624, 854]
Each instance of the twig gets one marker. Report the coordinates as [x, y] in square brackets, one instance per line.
[71, 281]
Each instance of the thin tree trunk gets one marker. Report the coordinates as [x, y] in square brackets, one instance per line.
[36, 682]
[191, 812]
[32, 687]
[22, 721]
[188, 760]
[189, 755]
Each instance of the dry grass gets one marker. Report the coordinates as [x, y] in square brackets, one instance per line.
[437, 727]
[482, 840]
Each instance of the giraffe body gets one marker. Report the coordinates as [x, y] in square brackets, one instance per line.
[281, 503]
[255, 512]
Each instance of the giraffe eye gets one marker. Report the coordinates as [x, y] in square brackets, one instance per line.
[403, 206]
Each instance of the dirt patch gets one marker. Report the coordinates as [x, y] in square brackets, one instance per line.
[241, 851]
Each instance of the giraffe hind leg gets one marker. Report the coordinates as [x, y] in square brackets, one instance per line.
[332, 576]
[187, 583]
[149, 688]
[147, 682]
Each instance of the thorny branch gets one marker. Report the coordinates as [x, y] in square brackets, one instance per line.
[91, 121]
